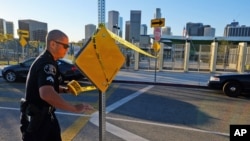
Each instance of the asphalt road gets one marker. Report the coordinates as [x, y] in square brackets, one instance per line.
[138, 112]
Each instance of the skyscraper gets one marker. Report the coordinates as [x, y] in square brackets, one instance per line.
[198, 29]
[101, 11]
[194, 29]
[120, 24]
[127, 30]
[144, 29]
[2, 26]
[135, 25]
[89, 30]
[166, 31]
[9, 28]
[209, 31]
[158, 13]
[37, 30]
[234, 29]
[113, 20]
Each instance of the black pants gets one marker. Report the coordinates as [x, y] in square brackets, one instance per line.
[48, 131]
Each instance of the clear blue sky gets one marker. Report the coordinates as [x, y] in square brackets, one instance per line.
[71, 16]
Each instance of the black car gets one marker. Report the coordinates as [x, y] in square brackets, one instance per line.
[231, 84]
[68, 70]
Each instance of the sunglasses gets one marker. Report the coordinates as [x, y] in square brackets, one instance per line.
[65, 46]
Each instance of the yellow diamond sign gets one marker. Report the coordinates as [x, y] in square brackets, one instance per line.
[100, 59]
[23, 42]
[23, 35]
[156, 46]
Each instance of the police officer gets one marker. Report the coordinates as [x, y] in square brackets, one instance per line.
[38, 120]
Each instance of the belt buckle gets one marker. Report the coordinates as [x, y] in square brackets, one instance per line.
[50, 112]
[50, 109]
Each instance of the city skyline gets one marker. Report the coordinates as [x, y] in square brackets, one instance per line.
[72, 16]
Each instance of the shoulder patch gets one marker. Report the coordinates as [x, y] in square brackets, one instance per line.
[50, 69]
[50, 79]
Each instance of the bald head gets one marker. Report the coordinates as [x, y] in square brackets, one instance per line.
[56, 35]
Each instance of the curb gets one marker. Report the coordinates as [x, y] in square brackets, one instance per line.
[161, 84]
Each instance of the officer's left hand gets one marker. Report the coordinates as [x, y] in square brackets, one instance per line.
[80, 108]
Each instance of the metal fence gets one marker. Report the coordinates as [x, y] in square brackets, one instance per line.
[12, 53]
[173, 57]
[199, 60]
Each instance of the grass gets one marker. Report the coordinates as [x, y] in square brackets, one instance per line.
[5, 62]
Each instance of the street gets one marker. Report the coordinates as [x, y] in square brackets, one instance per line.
[138, 112]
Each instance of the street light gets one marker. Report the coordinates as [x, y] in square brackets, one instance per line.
[117, 29]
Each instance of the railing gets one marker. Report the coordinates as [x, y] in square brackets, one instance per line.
[173, 57]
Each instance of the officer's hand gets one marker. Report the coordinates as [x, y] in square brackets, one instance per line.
[80, 108]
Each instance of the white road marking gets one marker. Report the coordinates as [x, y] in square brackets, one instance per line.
[9, 108]
[135, 121]
[117, 131]
[126, 99]
[124, 134]
[169, 125]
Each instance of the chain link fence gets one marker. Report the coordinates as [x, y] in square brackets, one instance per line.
[11, 52]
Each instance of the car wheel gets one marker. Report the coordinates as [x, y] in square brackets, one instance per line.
[232, 88]
[10, 76]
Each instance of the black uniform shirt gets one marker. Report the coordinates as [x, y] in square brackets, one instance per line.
[43, 71]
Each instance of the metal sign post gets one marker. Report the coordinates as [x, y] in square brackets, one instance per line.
[156, 47]
[102, 116]
[155, 67]
[23, 35]
[157, 24]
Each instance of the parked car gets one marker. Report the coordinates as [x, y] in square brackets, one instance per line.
[231, 84]
[68, 70]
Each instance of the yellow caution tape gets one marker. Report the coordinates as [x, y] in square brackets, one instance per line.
[128, 44]
[75, 88]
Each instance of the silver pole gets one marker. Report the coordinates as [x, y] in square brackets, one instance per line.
[102, 116]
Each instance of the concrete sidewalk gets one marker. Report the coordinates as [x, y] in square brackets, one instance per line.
[170, 77]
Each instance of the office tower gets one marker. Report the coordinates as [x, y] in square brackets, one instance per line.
[158, 13]
[113, 19]
[234, 29]
[89, 30]
[144, 29]
[166, 31]
[37, 30]
[101, 11]
[9, 28]
[120, 24]
[194, 29]
[127, 30]
[135, 24]
[209, 31]
[2, 26]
